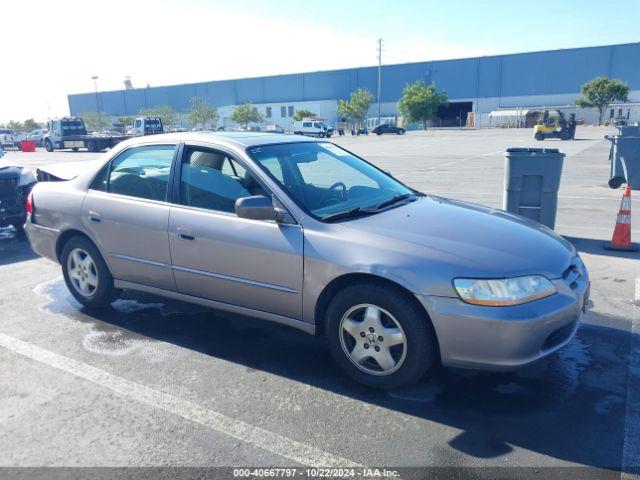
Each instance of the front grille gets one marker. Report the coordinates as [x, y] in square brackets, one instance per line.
[573, 273]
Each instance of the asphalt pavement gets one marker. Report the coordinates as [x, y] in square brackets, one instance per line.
[154, 382]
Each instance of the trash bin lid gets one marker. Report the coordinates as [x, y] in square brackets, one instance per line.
[548, 151]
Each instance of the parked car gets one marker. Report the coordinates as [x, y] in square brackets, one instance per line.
[313, 128]
[387, 128]
[37, 136]
[16, 183]
[303, 233]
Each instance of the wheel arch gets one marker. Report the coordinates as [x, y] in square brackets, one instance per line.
[335, 285]
[66, 236]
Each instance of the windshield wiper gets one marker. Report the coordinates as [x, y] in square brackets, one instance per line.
[354, 212]
[394, 199]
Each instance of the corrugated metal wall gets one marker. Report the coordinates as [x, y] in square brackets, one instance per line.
[538, 73]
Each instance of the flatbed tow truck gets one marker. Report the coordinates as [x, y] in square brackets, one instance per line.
[71, 133]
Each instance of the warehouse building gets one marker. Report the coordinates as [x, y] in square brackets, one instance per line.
[482, 85]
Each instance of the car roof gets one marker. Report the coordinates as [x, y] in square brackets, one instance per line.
[236, 139]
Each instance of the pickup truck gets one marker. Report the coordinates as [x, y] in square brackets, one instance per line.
[71, 133]
[11, 139]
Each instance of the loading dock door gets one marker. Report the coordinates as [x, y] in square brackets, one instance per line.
[454, 114]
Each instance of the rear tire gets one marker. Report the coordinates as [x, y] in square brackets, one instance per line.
[399, 336]
[539, 136]
[86, 274]
[75, 149]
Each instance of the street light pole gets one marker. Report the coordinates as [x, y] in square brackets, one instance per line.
[379, 75]
[95, 85]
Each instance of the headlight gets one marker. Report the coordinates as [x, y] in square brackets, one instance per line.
[502, 292]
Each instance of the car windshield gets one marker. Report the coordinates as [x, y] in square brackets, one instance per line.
[326, 180]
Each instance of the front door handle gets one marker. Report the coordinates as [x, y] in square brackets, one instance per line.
[186, 236]
[95, 217]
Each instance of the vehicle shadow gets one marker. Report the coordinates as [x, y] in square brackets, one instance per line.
[570, 406]
[595, 247]
[14, 248]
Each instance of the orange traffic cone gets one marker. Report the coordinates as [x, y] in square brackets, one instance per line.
[622, 232]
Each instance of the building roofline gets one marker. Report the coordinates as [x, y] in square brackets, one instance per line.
[502, 55]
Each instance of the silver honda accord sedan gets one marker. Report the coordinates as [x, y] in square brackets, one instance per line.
[304, 233]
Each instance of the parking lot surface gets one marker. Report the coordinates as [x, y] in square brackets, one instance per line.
[154, 382]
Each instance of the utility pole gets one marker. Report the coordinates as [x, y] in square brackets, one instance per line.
[379, 75]
[95, 85]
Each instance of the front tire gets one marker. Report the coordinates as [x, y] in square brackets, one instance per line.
[48, 146]
[379, 336]
[86, 274]
[539, 136]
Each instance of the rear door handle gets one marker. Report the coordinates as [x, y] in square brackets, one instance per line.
[95, 217]
[186, 236]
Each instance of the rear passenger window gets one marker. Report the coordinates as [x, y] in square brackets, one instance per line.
[142, 172]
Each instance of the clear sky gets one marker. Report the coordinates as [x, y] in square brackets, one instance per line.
[54, 47]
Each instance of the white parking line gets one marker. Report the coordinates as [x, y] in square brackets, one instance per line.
[631, 448]
[272, 442]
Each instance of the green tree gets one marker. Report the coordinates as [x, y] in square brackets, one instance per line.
[14, 125]
[601, 92]
[127, 120]
[201, 112]
[303, 113]
[420, 102]
[30, 124]
[164, 112]
[356, 108]
[93, 121]
[243, 114]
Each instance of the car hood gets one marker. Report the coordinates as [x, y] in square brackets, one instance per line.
[467, 239]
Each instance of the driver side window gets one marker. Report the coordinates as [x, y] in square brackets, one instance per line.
[213, 180]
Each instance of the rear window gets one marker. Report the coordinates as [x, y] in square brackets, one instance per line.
[73, 126]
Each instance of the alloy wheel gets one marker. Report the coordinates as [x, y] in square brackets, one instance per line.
[83, 272]
[373, 339]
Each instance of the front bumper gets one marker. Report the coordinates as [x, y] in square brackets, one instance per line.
[506, 338]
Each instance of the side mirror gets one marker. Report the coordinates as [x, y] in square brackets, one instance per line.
[257, 207]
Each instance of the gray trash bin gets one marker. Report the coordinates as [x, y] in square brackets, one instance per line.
[629, 131]
[531, 183]
[625, 148]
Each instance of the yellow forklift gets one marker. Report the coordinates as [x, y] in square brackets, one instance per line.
[554, 125]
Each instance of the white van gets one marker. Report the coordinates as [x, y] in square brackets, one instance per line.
[312, 128]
